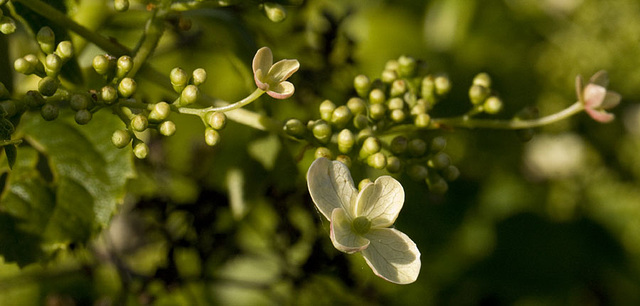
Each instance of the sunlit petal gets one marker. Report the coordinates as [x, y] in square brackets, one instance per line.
[611, 100]
[600, 115]
[262, 61]
[342, 236]
[392, 255]
[331, 186]
[282, 70]
[282, 91]
[381, 201]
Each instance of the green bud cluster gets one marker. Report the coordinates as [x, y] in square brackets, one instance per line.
[482, 97]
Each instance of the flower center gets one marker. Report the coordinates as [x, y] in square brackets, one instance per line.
[361, 225]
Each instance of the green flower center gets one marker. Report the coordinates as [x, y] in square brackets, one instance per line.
[361, 225]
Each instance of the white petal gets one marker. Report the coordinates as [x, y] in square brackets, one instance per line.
[381, 201]
[262, 60]
[392, 255]
[331, 186]
[342, 236]
[594, 95]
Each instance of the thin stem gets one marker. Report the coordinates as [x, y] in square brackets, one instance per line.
[151, 36]
[225, 108]
[10, 142]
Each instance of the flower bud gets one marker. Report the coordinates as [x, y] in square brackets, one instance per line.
[322, 131]
[123, 66]
[346, 160]
[492, 105]
[399, 144]
[417, 172]
[377, 111]
[216, 120]
[8, 108]
[46, 39]
[451, 173]
[362, 85]
[127, 87]
[102, 64]
[477, 94]
[406, 66]
[418, 109]
[341, 116]
[437, 144]
[120, 138]
[65, 50]
[179, 79]
[356, 105]
[360, 121]
[22, 65]
[417, 147]
[370, 146]
[326, 110]
[363, 183]
[396, 103]
[140, 149]
[52, 64]
[189, 95]
[422, 120]
[439, 161]
[482, 79]
[363, 135]
[428, 87]
[377, 96]
[388, 76]
[346, 140]
[377, 160]
[49, 112]
[398, 88]
[295, 128]
[442, 85]
[139, 123]
[391, 65]
[274, 11]
[33, 99]
[394, 165]
[211, 137]
[121, 5]
[83, 116]
[436, 183]
[199, 76]
[7, 25]
[160, 112]
[48, 86]
[108, 94]
[323, 152]
[167, 128]
[398, 115]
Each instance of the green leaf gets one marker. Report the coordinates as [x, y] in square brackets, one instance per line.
[66, 191]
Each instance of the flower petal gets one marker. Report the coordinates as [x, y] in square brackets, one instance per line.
[282, 91]
[282, 70]
[599, 115]
[594, 95]
[258, 76]
[342, 236]
[262, 60]
[331, 186]
[611, 100]
[392, 255]
[381, 201]
[600, 78]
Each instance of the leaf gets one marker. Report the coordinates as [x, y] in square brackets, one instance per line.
[75, 200]
[12, 152]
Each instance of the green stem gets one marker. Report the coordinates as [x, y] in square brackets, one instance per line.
[10, 142]
[225, 108]
[151, 36]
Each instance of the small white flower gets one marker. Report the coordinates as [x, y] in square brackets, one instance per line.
[596, 98]
[271, 77]
[360, 220]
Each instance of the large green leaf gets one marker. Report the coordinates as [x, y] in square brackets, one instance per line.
[63, 191]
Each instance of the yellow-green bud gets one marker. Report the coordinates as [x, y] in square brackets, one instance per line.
[120, 138]
[189, 95]
[477, 94]
[377, 111]
[65, 50]
[123, 66]
[344, 159]
[377, 160]
[341, 116]
[179, 79]
[360, 121]
[428, 88]
[397, 115]
[388, 76]
[275, 12]
[46, 39]
[442, 84]
[52, 64]
[160, 112]
[362, 85]
[370, 146]
[140, 149]
[326, 110]
[396, 103]
[323, 152]
[48, 86]
[406, 66]
[398, 88]
[295, 127]
[167, 128]
[356, 105]
[34, 99]
[127, 87]
[49, 112]
[108, 94]
[394, 165]
[363, 135]
[216, 120]
[322, 131]
[199, 76]
[346, 140]
[83, 116]
[377, 96]
[482, 79]
[121, 5]
[492, 105]
[211, 137]
[422, 120]
[139, 123]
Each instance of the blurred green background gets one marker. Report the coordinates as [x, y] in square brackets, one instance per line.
[552, 221]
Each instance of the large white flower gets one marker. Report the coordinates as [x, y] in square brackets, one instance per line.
[360, 220]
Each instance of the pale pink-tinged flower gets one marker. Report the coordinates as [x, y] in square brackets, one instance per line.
[361, 220]
[271, 77]
[595, 97]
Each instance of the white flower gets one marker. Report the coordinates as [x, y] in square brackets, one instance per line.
[596, 98]
[271, 77]
[360, 220]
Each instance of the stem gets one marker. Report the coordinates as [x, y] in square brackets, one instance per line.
[152, 32]
[225, 108]
[10, 142]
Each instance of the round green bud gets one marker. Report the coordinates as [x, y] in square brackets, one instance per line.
[23, 66]
[377, 96]
[377, 111]
[199, 76]
[48, 86]
[346, 160]
[52, 64]
[179, 79]
[417, 172]
[322, 131]
[295, 128]
[33, 99]
[7, 25]
[418, 109]
[341, 116]
[123, 66]
[437, 144]
[211, 137]
[450, 173]
[8, 108]
[370, 146]
[323, 152]
[360, 121]
[127, 87]
[216, 120]
[394, 165]
[443, 85]
[167, 128]
[422, 120]
[346, 140]
[362, 85]
[363, 183]
[49, 112]
[108, 94]
[65, 50]
[417, 147]
[140, 149]
[363, 135]
[398, 88]
[388, 76]
[440, 160]
[160, 112]
[398, 115]
[101, 64]
[406, 66]
[477, 94]
[356, 105]
[189, 95]
[428, 87]
[275, 11]
[120, 138]
[396, 103]
[399, 144]
[139, 123]
[482, 79]
[83, 116]
[326, 109]
[391, 65]
[361, 225]
[377, 160]
[492, 105]
[46, 39]
[121, 5]
[437, 184]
